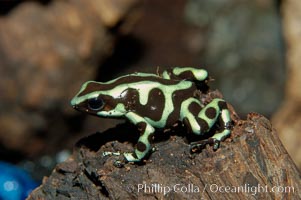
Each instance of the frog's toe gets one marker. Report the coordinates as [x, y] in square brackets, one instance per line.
[109, 153]
[216, 144]
[119, 163]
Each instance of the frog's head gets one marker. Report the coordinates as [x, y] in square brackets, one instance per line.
[95, 98]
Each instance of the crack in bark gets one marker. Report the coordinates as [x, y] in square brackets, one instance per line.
[94, 179]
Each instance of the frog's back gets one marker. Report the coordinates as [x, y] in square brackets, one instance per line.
[142, 79]
[157, 99]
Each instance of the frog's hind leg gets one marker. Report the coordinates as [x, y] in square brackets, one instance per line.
[198, 76]
[215, 111]
[185, 73]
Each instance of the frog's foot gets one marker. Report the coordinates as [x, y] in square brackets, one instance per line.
[128, 157]
[109, 153]
[200, 145]
[117, 163]
[215, 140]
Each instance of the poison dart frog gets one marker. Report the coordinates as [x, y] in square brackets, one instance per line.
[159, 101]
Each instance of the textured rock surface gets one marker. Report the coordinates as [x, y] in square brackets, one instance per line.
[253, 159]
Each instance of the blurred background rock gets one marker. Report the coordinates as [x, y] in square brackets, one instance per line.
[49, 48]
[287, 120]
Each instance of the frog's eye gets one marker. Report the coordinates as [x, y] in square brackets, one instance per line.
[95, 103]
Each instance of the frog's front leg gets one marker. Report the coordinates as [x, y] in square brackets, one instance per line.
[144, 142]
